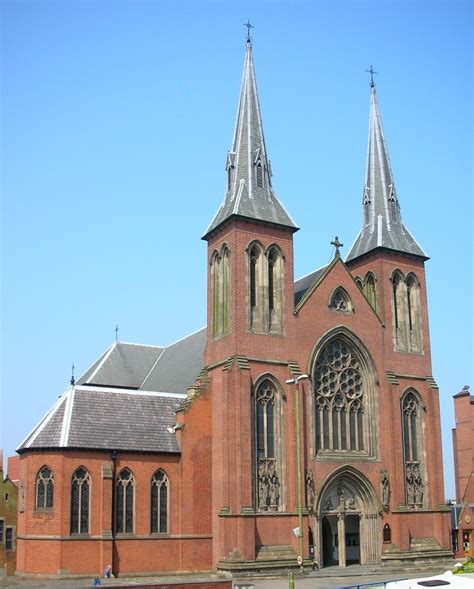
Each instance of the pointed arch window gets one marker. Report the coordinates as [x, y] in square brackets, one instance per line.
[340, 301]
[275, 289]
[399, 311]
[267, 454]
[340, 400]
[44, 488]
[124, 500]
[259, 174]
[370, 290]
[159, 503]
[414, 313]
[80, 493]
[412, 449]
[220, 291]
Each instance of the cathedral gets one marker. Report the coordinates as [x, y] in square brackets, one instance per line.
[300, 427]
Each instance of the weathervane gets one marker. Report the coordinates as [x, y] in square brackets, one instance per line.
[73, 380]
[337, 244]
[371, 72]
[249, 26]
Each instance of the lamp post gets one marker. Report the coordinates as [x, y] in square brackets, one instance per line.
[296, 382]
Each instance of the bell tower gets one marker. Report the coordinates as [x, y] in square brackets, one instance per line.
[250, 240]
[250, 306]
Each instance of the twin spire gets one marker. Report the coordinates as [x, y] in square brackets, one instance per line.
[249, 193]
[382, 225]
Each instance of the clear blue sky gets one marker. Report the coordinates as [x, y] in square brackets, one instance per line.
[116, 120]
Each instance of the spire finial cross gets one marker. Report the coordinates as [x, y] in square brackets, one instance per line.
[116, 333]
[73, 380]
[249, 26]
[371, 71]
[337, 244]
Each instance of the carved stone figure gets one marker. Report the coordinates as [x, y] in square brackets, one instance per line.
[385, 488]
[274, 491]
[309, 489]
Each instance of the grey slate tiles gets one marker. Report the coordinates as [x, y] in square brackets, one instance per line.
[382, 225]
[249, 193]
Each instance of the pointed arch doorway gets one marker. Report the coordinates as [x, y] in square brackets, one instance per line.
[347, 520]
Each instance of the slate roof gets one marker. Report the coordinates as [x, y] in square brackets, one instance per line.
[302, 285]
[122, 365]
[243, 197]
[382, 225]
[108, 419]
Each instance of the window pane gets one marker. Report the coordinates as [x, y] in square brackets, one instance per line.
[9, 539]
[270, 431]
[119, 509]
[74, 507]
[154, 509]
[40, 496]
[129, 508]
[85, 507]
[49, 494]
[163, 508]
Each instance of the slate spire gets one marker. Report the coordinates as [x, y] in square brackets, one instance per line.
[382, 225]
[249, 192]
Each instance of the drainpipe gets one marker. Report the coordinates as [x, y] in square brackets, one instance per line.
[114, 475]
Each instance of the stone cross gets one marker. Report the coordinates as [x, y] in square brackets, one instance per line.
[337, 244]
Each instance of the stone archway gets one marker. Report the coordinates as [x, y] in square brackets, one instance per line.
[347, 520]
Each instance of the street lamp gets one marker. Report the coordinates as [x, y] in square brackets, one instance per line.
[296, 382]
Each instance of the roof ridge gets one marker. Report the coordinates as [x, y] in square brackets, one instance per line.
[141, 345]
[112, 390]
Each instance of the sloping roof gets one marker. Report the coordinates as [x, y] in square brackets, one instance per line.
[123, 365]
[179, 365]
[108, 419]
[382, 225]
[306, 282]
[244, 197]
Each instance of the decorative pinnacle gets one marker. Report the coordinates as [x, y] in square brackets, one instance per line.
[73, 380]
[249, 26]
[371, 71]
[116, 333]
[337, 244]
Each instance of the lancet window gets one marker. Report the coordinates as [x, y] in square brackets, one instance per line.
[370, 290]
[159, 503]
[124, 500]
[406, 313]
[265, 289]
[340, 400]
[80, 493]
[220, 291]
[44, 488]
[412, 449]
[267, 454]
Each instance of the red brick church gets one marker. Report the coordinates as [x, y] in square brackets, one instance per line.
[302, 421]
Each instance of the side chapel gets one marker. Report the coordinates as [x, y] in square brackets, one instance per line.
[302, 421]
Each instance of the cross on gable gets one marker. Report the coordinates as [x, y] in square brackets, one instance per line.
[337, 244]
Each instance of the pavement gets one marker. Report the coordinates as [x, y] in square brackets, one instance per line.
[354, 576]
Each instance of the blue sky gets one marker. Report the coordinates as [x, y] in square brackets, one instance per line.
[116, 120]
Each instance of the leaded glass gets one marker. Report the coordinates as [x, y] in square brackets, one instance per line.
[159, 503]
[411, 432]
[44, 489]
[124, 490]
[339, 395]
[340, 301]
[80, 502]
[268, 479]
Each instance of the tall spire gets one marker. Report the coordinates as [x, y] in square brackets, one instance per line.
[249, 193]
[382, 225]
